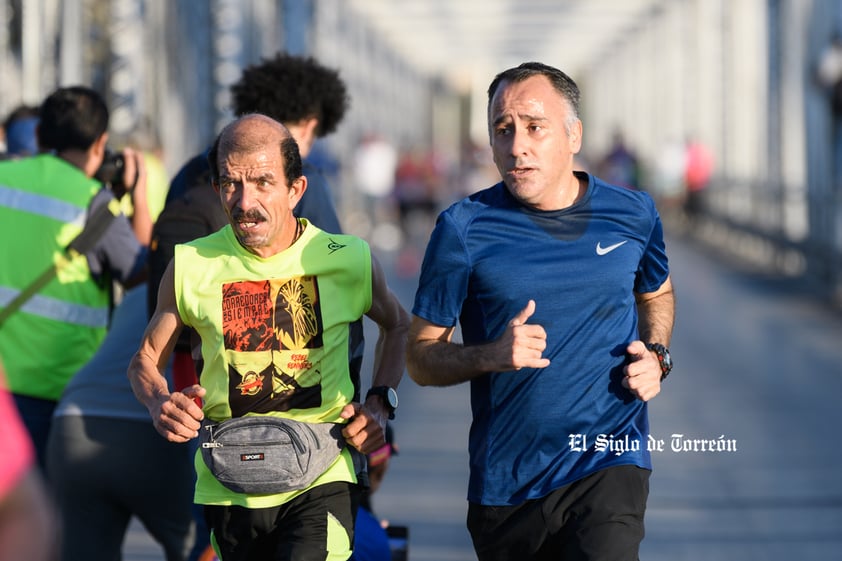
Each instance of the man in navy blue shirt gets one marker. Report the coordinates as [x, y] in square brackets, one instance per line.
[560, 284]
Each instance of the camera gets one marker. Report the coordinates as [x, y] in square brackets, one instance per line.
[110, 173]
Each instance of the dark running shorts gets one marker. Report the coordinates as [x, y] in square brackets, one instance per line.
[596, 518]
[317, 525]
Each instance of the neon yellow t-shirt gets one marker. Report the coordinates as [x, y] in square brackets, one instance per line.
[274, 334]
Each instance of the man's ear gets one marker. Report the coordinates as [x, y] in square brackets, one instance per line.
[575, 137]
[94, 155]
[311, 125]
[304, 133]
[296, 190]
[97, 149]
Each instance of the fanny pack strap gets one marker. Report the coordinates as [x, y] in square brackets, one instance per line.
[324, 432]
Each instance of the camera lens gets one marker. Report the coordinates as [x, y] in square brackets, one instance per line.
[110, 173]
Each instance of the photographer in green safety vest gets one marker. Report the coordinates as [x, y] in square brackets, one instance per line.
[55, 302]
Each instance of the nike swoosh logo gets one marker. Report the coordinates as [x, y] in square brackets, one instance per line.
[604, 250]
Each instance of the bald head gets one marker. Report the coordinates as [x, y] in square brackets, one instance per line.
[252, 133]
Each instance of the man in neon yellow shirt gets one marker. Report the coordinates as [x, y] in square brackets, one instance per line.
[272, 297]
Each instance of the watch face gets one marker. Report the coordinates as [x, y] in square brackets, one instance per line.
[387, 394]
[392, 398]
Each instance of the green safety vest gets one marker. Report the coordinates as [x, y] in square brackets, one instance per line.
[43, 205]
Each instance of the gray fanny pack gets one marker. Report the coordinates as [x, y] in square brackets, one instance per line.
[261, 455]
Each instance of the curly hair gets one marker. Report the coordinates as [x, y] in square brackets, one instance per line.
[290, 88]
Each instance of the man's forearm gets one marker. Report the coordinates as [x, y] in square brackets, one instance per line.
[141, 220]
[442, 363]
[390, 356]
[656, 314]
[148, 384]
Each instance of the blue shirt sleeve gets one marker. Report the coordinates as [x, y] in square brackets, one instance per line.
[654, 265]
[445, 272]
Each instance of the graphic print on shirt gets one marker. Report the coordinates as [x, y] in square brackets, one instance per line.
[273, 342]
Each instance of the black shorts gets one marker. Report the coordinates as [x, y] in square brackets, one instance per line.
[317, 525]
[598, 518]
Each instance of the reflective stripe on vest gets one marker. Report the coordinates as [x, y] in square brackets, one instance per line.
[50, 308]
[42, 206]
[44, 306]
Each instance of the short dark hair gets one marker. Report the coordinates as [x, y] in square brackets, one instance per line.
[563, 83]
[290, 88]
[72, 118]
[293, 168]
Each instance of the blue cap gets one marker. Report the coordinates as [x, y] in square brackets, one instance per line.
[21, 139]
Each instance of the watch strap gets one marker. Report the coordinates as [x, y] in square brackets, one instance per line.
[383, 392]
[664, 358]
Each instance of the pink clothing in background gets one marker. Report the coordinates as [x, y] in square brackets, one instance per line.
[15, 445]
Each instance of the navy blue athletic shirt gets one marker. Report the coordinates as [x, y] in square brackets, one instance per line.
[535, 430]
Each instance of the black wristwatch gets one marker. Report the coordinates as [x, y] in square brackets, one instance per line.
[388, 396]
[664, 358]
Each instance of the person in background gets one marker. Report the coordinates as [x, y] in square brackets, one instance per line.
[19, 130]
[310, 99]
[620, 166]
[829, 72]
[697, 173]
[668, 181]
[45, 202]
[375, 161]
[107, 463]
[145, 139]
[561, 286]
[371, 541]
[272, 297]
[28, 528]
[828, 75]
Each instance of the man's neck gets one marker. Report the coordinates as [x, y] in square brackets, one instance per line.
[266, 252]
[79, 159]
